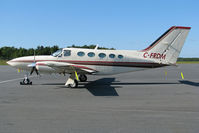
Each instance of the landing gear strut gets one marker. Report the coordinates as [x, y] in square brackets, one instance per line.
[74, 85]
[72, 82]
[82, 78]
[26, 80]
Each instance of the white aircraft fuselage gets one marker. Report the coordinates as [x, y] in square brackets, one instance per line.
[124, 61]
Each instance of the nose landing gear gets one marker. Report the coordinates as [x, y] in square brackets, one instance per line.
[72, 81]
[74, 84]
[26, 80]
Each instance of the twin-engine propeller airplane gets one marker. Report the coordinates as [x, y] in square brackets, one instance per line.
[79, 62]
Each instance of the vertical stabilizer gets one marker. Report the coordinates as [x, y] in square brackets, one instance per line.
[169, 45]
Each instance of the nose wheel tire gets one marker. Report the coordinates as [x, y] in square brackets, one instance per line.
[74, 85]
[82, 78]
[26, 82]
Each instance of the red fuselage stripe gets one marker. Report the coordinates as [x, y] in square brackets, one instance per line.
[103, 63]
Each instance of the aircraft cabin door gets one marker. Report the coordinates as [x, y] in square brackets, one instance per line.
[102, 59]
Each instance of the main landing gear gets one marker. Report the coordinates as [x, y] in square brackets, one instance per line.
[82, 78]
[72, 81]
[26, 80]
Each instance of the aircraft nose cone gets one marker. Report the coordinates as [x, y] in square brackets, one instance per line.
[9, 63]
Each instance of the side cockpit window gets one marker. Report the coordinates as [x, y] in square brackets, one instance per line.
[57, 53]
[67, 52]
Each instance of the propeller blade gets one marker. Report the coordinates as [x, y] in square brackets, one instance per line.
[37, 71]
[34, 56]
[33, 68]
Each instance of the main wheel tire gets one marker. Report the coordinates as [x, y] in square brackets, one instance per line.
[74, 85]
[82, 78]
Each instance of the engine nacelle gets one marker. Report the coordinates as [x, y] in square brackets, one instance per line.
[43, 68]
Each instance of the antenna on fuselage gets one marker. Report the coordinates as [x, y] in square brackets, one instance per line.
[96, 47]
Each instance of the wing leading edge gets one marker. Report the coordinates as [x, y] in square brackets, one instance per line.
[64, 67]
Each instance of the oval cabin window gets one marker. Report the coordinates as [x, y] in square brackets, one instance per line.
[120, 56]
[102, 55]
[80, 53]
[91, 54]
[112, 56]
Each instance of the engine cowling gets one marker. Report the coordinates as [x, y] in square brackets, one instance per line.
[43, 68]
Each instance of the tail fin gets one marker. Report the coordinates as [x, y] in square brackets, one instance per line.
[168, 46]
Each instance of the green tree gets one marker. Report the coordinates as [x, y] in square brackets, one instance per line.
[7, 53]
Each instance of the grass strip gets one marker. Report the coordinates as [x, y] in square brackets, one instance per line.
[3, 62]
[188, 62]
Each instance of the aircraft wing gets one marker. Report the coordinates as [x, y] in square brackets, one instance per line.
[64, 67]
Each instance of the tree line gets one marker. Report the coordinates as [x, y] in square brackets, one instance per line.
[7, 53]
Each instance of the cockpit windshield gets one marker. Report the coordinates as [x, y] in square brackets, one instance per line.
[55, 54]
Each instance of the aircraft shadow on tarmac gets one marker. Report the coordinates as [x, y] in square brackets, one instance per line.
[106, 86]
[187, 82]
[102, 87]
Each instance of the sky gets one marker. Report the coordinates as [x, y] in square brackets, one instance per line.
[121, 24]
